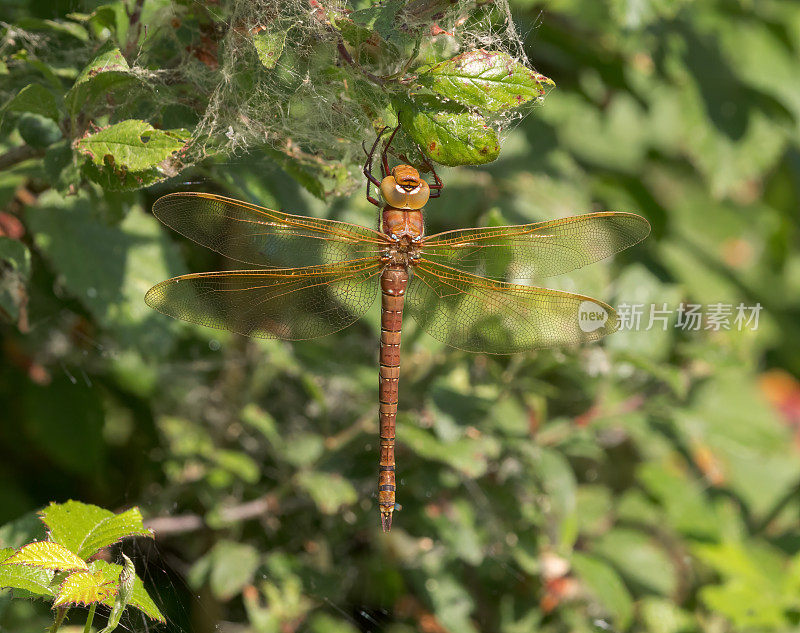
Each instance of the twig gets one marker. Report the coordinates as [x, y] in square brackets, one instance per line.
[134, 28]
[345, 54]
[164, 526]
[19, 154]
[794, 493]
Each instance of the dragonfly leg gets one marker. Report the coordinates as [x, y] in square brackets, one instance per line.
[436, 189]
[368, 168]
[384, 158]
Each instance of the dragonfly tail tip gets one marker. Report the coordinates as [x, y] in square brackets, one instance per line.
[386, 521]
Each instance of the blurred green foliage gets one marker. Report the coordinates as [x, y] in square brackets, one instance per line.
[647, 483]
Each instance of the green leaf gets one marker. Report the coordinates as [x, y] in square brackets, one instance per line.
[15, 264]
[61, 166]
[64, 420]
[133, 144]
[85, 528]
[37, 99]
[106, 73]
[558, 483]
[112, 530]
[466, 455]
[54, 26]
[379, 17]
[663, 616]
[756, 592]
[23, 530]
[688, 509]
[605, 585]
[46, 555]
[449, 136]
[85, 587]
[644, 565]
[71, 523]
[228, 567]
[111, 277]
[330, 491]
[31, 579]
[139, 598]
[324, 623]
[269, 47]
[488, 80]
[16, 255]
[38, 131]
[757, 460]
[132, 154]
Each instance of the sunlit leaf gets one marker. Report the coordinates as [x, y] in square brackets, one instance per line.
[488, 80]
[85, 587]
[132, 154]
[31, 579]
[46, 555]
[448, 136]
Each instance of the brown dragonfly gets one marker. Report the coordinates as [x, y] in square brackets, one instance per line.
[316, 277]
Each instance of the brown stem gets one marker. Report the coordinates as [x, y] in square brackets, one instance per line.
[134, 29]
[19, 154]
[165, 526]
[345, 54]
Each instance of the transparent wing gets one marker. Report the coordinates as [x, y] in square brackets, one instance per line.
[256, 235]
[293, 303]
[483, 315]
[535, 251]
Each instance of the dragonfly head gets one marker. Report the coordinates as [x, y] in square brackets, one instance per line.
[404, 189]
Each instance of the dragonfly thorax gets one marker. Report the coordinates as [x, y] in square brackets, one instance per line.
[404, 251]
[400, 223]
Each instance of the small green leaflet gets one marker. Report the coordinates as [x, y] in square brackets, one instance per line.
[487, 80]
[46, 555]
[85, 587]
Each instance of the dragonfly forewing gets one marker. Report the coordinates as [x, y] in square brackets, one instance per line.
[256, 235]
[292, 304]
[536, 251]
[482, 315]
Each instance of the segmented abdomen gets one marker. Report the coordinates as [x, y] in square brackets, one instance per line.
[394, 281]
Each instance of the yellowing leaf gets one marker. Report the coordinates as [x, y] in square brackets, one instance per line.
[86, 587]
[47, 555]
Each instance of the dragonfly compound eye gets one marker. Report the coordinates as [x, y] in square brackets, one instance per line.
[405, 196]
